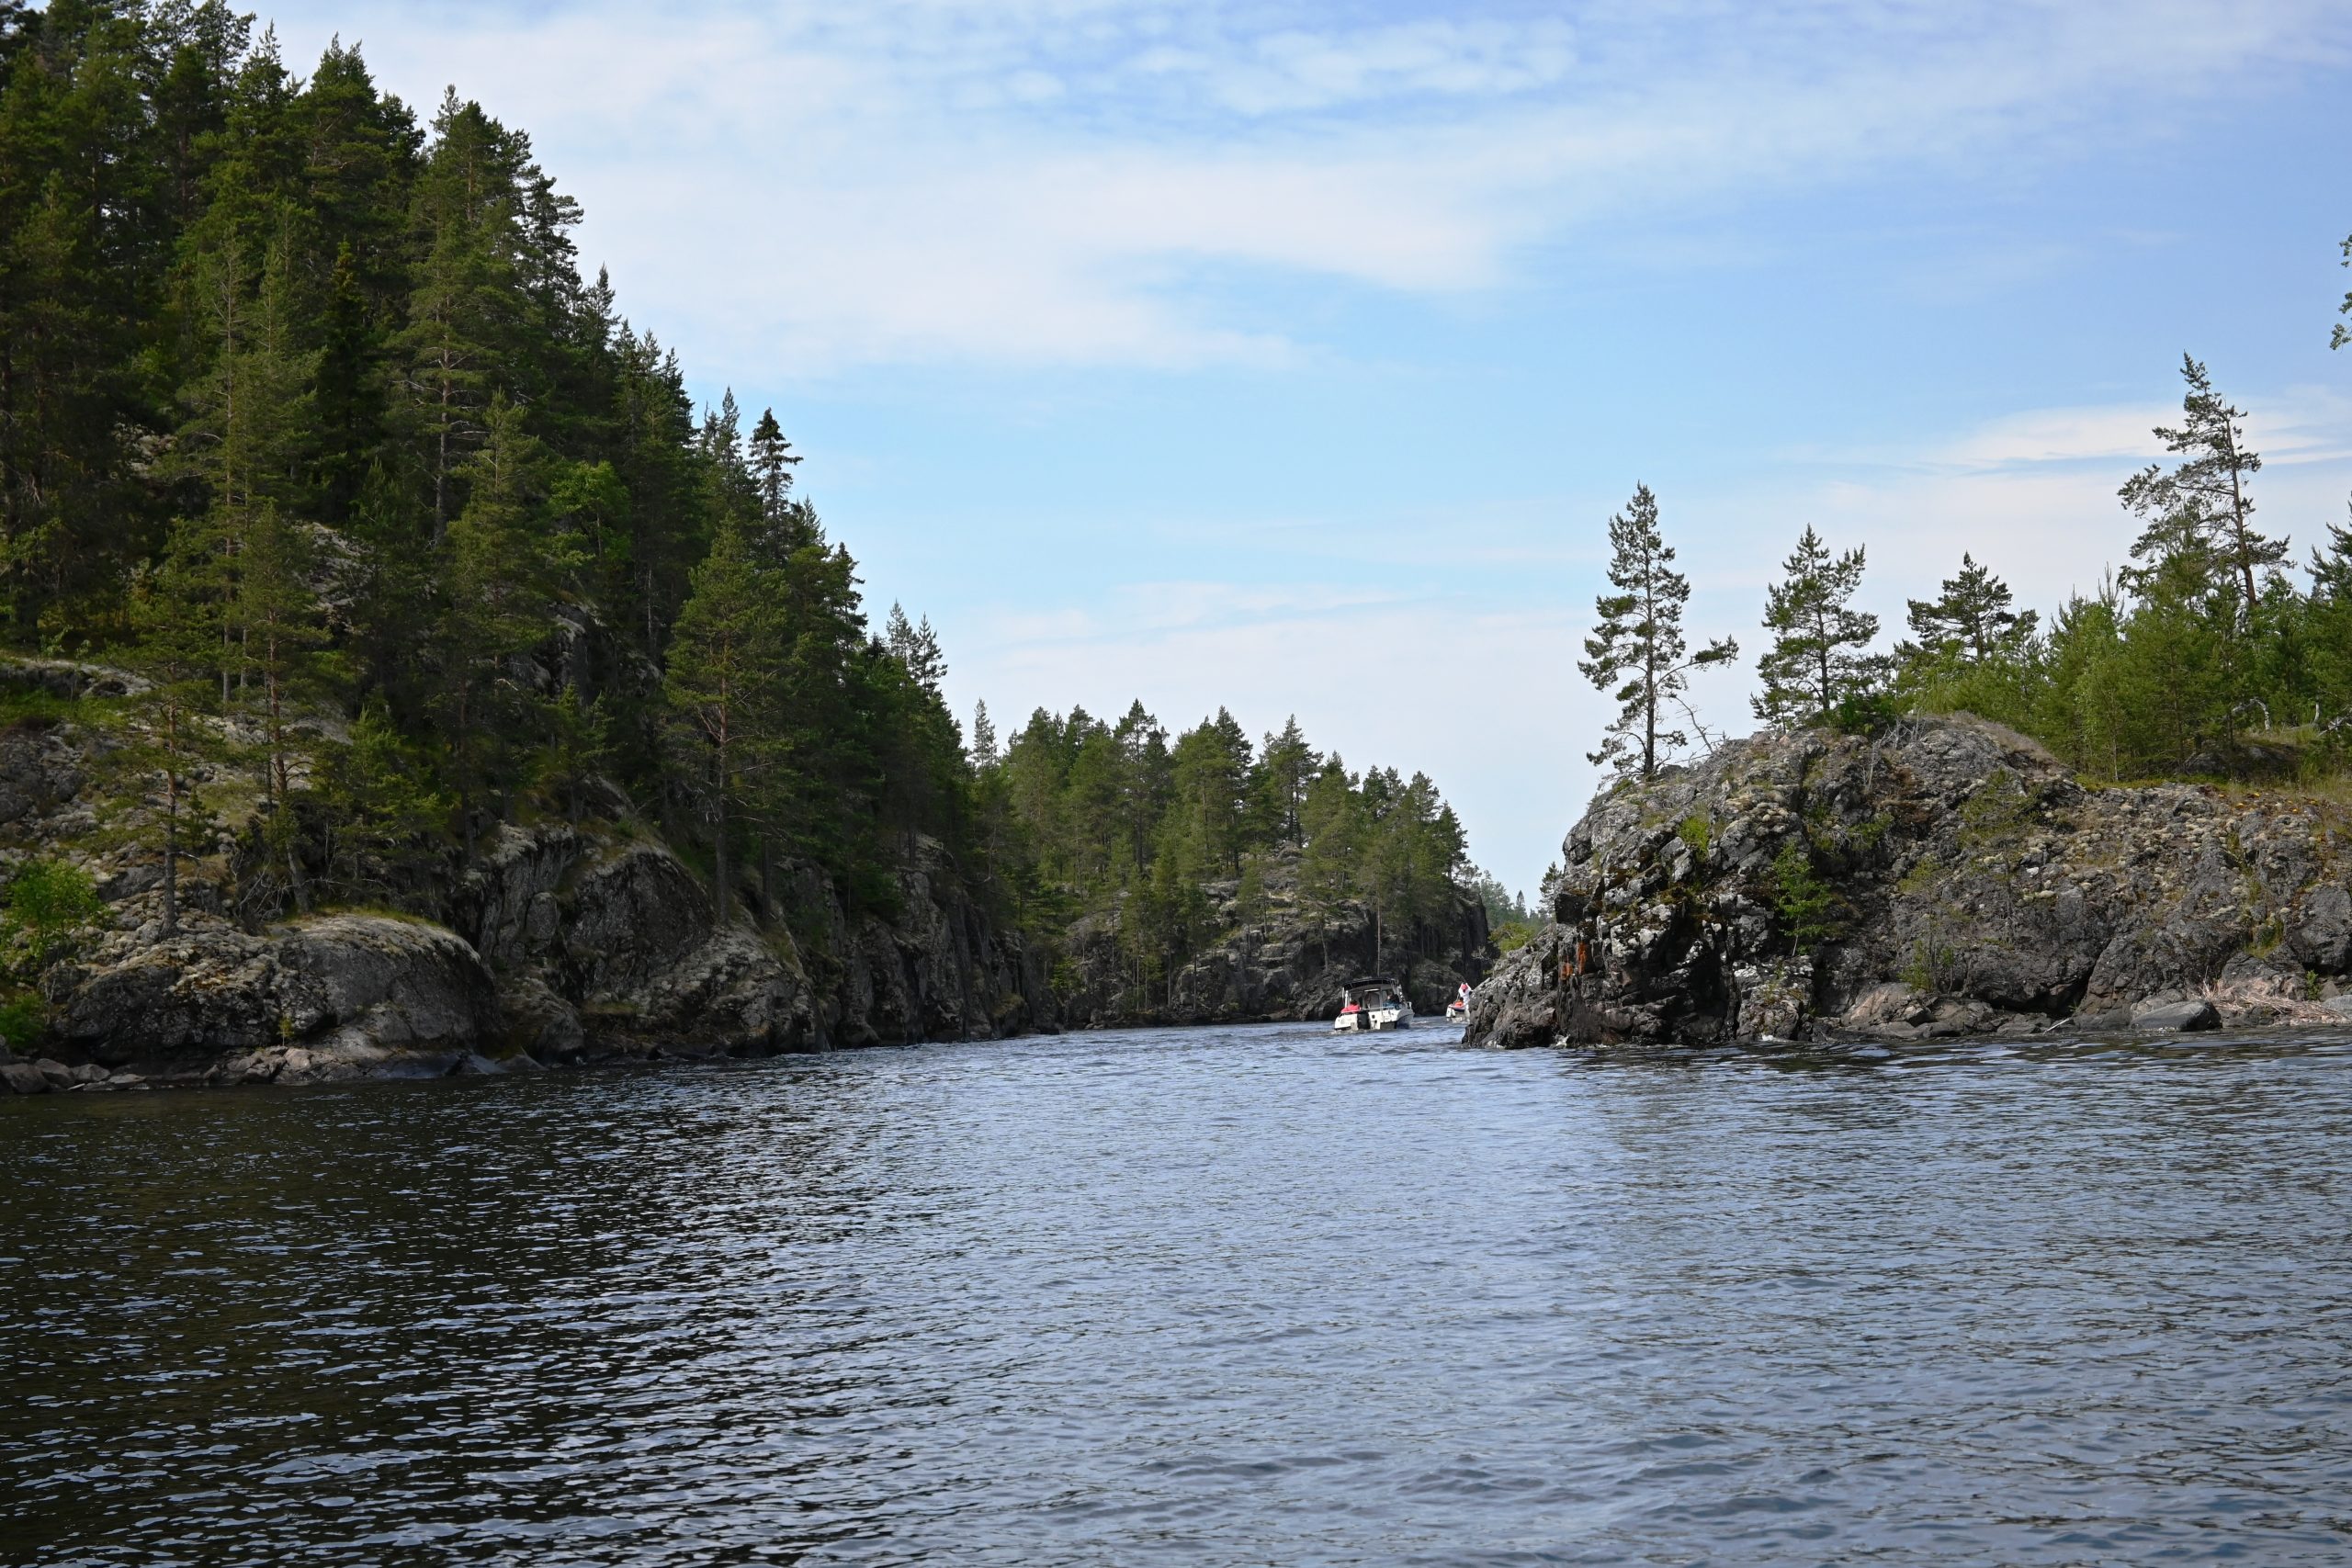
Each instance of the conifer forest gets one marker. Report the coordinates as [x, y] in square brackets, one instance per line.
[310, 420]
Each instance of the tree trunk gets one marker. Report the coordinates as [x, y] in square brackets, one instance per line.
[171, 853]
[718, 842]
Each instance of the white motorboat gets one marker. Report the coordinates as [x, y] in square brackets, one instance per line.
[1374, 1004]
[1459, 1007]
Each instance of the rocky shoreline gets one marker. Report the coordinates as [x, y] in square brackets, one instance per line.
[569, 945]
[1946, 877]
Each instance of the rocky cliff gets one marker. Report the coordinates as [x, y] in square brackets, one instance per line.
[1282, 956]
[1947, 876]
[561, 944]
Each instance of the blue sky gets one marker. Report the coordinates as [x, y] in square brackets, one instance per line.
[1291, 356]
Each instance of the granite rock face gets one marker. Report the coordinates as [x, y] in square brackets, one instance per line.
[1947, 876]
[321, 997]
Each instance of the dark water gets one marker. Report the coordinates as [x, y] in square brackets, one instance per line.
[1240, 1296]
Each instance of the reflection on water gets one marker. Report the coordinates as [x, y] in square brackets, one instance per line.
[1218, 1296]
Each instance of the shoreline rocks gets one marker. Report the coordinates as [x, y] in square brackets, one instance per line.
[1946, 877]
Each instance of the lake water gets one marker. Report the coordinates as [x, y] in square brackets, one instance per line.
[1199, 1297]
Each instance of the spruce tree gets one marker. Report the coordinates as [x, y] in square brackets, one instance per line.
[917, 647]
[772, 462]
[1637, 652]
[983, 748]
[1818, 660]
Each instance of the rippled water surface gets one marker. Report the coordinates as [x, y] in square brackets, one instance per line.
[1217, 1296]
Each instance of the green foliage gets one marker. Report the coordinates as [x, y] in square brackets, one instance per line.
[1512, 935]
[1818, 669]
[24, 1019]
[1998, 809]
[1697, 831]
[1637, 653]
[51, 902]
[1809, 908]
[1093, 817]
[314, 421]
[1927, 965]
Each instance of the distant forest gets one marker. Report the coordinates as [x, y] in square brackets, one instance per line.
[308, 417]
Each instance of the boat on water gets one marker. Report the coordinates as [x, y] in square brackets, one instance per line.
[1459, 1007]
[1374, 1004]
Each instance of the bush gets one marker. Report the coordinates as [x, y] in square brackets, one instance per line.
[1864, 713]
[49, 903]
[24, 1019]
[1807, 905]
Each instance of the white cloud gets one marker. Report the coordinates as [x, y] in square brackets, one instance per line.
[1062, 181]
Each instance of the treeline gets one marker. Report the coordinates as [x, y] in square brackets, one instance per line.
[306, 414]
[1114, 817]
[308, 417]
[2209, 653]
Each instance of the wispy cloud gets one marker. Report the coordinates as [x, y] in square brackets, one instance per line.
[1071, 181]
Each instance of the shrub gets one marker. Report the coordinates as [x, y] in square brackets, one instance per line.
[49, 903]
[24, 1019]
[1808, 906]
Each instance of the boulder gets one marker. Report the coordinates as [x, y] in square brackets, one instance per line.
[1891, 1001]
[325, 995]
[539, 1023]
[2320, 932]
[23, 1078]
[2176, 1018]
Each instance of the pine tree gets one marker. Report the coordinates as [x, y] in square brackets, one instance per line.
[1817, 663]
[347, 397]
[175, 614]
[2205, 497]
[718, 686]
[1286, 765]
[1639, 649]
[1971, 619]
[277, 613]
[496, 572]
[462, 301]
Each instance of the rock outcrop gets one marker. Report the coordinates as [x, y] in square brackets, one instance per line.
[1945, 877]
[560, 944]
[317, 999]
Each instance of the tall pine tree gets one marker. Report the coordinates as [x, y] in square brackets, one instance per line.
[1638, 654]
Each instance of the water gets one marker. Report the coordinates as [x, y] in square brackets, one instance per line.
[1208, 1297]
